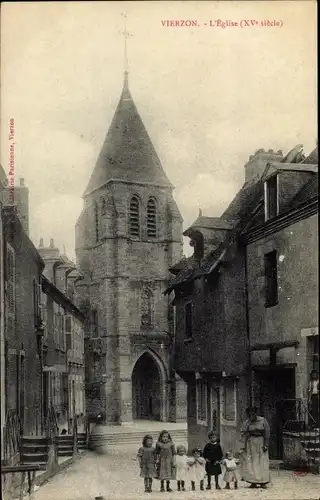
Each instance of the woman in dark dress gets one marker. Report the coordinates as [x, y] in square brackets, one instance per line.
[213, 455]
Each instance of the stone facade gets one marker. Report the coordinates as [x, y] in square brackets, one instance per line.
[23, 266]
[247, 329]
[63, 339]
[127, 237]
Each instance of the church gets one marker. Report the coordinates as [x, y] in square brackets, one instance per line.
[128, 235]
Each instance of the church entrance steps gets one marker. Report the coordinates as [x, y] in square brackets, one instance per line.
[133, 434]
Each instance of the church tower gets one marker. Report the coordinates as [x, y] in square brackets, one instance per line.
[127, 237]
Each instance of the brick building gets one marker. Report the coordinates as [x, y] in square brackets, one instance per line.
[233, 346]
[127, 236]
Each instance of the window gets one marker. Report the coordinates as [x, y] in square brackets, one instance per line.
[202, 395]
[188, 320]
[229, 400]
[271, 197]
[11, 281]
[103, 207]
[68, 330]
[271, 279]
[94, 323]
[146, 308]
[134, 222]
[96, 222]
[36, 302]
[151, 219]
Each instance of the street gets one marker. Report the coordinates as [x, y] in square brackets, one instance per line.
[116, 476]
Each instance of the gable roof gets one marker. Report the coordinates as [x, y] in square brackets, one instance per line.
[203, 222]
[307, 192]
[127, 153]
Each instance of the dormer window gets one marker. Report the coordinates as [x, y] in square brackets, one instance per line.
[271, 198]
[134, 217]
[151, 219]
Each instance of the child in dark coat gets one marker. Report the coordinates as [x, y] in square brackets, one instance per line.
[147, 460]
[213, 455]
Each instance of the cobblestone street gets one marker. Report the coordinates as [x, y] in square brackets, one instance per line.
[116, 476]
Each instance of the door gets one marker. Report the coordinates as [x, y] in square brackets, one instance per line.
[215, 409]
[277, 395]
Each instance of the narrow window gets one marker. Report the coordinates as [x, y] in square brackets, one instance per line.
[11, 281]
[202, 395]
[36, 303]
[96, 221]
[271, 197]
[188, 320]
[146, 308]
[271, 279]
[94, 323]
[68, 331]
[151, 219]
[103, 205]
[134, 222]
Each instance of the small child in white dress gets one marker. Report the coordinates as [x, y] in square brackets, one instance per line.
[197, 469]
[181, 467]
[232, 474]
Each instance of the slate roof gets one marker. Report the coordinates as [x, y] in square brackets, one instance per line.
[307, 192]
[127, 153]
[209, 223]
[239, 210]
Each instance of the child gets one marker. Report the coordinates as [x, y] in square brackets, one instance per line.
[165, 455]
[181, 467]
[212, 453]
[232, 473]
[147, 459]
[197, 470]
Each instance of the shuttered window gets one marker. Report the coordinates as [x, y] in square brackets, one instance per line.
[96, 222]
[151, 219]
[134, 217]
[11, 281]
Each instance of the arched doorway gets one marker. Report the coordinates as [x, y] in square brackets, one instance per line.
[147, 386]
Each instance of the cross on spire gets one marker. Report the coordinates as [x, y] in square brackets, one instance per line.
[126, 35]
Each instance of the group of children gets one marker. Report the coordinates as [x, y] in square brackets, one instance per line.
[165, 463]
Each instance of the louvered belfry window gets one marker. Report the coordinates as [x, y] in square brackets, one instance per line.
[151, 219]
[134, 222]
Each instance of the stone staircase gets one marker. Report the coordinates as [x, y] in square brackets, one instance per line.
[100, 438]
[310, 440]
[34, 449]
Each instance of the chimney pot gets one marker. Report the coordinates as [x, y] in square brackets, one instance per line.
[22, 182]
[51, 243]
[41, 243]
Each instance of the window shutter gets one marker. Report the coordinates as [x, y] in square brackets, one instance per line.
[151, 219]
[134, 222]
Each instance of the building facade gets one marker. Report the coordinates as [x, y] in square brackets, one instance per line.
[23, 355]
[127, 236]
[234, 346]
[63, 340]
[282, 263]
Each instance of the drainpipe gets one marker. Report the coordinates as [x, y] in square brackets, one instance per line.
[248, 321]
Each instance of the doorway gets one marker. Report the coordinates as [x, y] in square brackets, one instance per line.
[277, 403]
[146, 389]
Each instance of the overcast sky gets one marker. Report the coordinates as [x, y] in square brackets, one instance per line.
[209, 97]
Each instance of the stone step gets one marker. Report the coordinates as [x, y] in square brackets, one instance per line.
[34, 448]
[33, 458]
[133, 438]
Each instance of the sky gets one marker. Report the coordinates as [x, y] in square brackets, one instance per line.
[208, 96]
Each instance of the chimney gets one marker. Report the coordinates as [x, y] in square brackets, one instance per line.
[41, 245]
[257, 163]
[51, 243]
[51, 258]
[18, 196]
